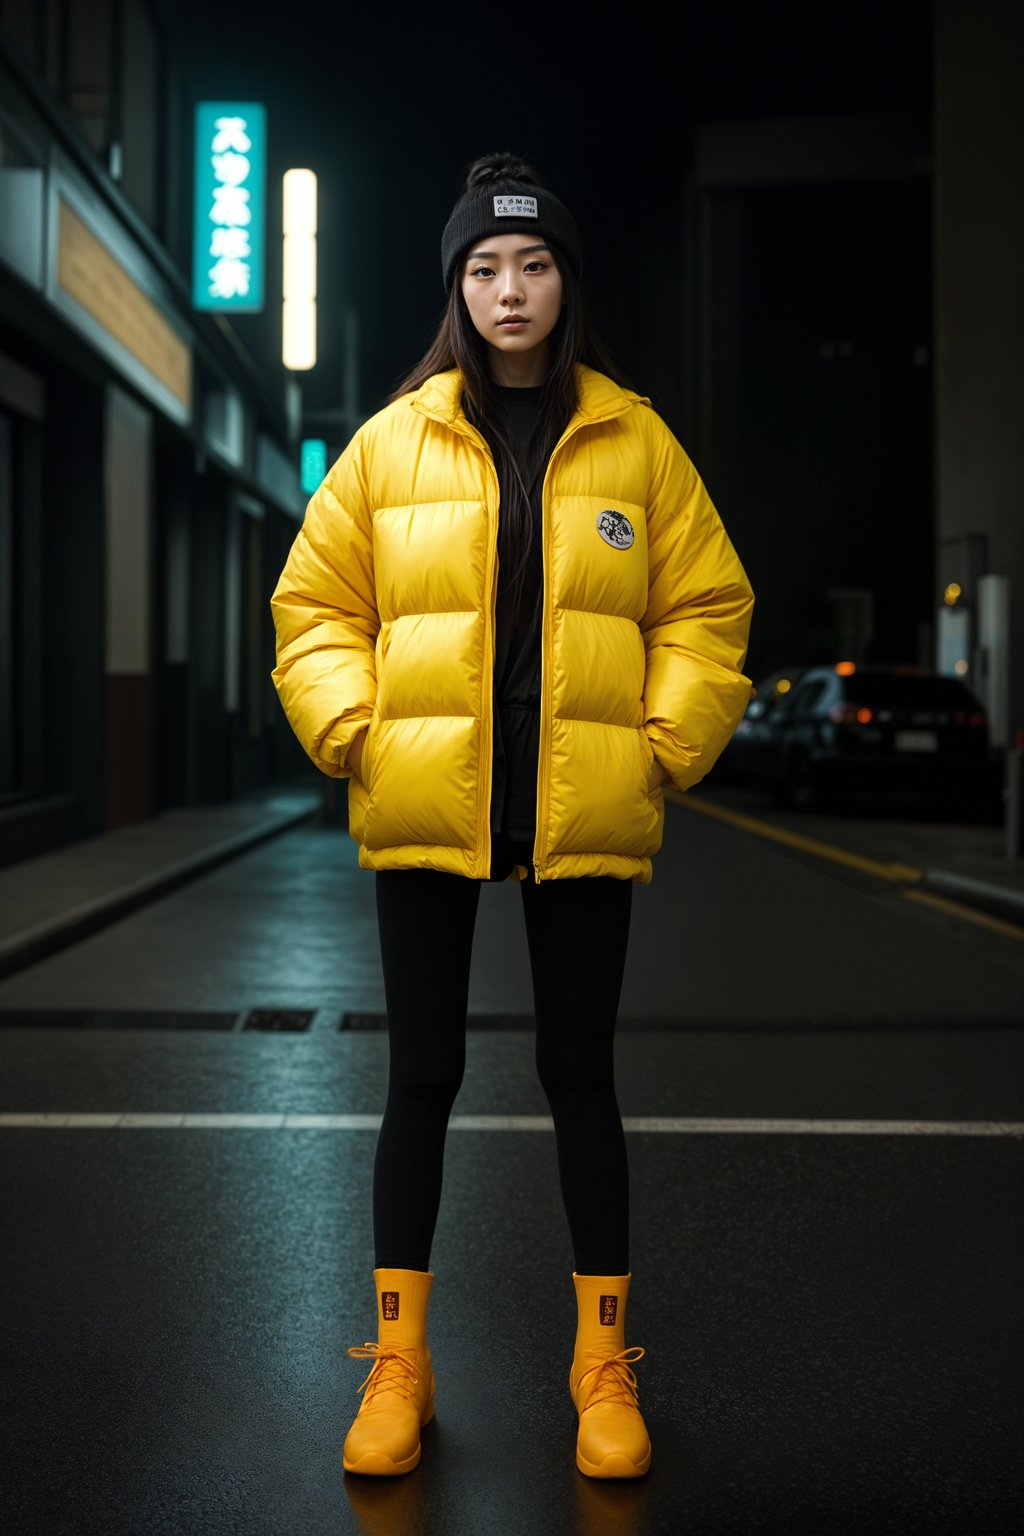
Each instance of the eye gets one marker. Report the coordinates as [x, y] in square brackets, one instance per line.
[481, 272]
[537, 265]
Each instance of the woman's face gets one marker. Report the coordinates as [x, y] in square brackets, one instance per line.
[513, 291]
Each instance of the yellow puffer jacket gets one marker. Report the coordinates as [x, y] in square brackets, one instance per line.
[385, 618]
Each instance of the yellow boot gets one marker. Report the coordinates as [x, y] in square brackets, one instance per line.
[612, 1439]
[384, 1439]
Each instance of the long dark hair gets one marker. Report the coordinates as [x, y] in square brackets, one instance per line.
[458, 344]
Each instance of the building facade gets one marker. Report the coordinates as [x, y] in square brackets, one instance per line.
[149, 482]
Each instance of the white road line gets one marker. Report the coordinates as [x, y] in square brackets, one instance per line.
[640, 1124]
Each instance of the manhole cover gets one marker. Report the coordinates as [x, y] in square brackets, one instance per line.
[280, 1020]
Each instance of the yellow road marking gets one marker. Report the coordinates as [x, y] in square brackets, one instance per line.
[892, 872]
[985, 919]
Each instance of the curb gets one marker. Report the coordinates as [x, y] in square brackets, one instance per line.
[57, 933]
[996, 899]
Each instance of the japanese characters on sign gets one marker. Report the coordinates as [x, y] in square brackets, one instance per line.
[312, 463]
[230, 200]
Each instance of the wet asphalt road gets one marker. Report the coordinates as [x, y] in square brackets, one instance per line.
[830, 1309]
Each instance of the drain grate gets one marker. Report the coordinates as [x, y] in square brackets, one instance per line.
[474, 1021]
[363, 1021]
[280, 1020]
[113, 1018]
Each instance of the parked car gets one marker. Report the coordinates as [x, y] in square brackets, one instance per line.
[865, 727]
[742, 760]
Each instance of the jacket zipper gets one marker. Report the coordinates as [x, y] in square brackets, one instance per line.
[539, 847]
[483, 820]
[487, 719]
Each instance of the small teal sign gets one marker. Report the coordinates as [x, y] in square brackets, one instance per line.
[312, 464]
[229, 237]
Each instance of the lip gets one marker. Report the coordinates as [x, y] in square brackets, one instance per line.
[512, 324]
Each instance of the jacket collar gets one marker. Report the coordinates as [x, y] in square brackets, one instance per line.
[598, 397]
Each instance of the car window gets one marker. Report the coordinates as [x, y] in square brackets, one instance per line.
[806, 695]
[768, 699]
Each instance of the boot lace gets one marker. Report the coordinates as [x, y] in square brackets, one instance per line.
[391, 1371]
[611, 1379]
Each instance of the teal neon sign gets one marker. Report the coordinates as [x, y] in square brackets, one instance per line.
[229, 224]
[312, 464]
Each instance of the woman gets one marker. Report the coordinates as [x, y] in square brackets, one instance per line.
[511, 614]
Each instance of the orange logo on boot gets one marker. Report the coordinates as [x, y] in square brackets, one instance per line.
[609, 1305]
[389, 1305]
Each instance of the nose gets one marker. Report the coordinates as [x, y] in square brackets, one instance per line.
[511, 287]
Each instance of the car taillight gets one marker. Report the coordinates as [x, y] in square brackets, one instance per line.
[850, 714]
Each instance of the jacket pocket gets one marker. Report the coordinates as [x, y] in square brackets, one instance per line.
[649, 758]
[655, 827]
[369, 742]
[424, 777]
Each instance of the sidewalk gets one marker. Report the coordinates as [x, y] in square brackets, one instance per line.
[52, 901]
[59, 898]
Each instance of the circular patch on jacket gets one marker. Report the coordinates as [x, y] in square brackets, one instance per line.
[615, 528]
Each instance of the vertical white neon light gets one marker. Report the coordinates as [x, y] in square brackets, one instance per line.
[298, 321]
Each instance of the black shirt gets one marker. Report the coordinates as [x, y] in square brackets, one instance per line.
[517, 666]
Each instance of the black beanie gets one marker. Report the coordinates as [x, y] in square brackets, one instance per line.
[508, 207]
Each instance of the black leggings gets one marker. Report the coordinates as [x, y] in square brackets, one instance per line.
[577, 932]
